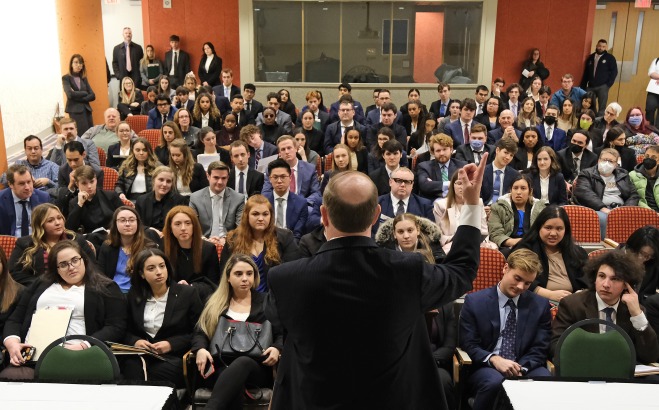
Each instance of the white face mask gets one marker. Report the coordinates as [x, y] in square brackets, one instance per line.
[605, 168]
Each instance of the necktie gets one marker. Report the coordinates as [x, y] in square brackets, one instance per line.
[401, 208]
[175, 61]
[444, 172]
[477, 157]
[576, 164]
[25, 219]
[241, 183]
[480, 109]
[509, 333]
[129, 67]
[248, 105]
[497, 185]
[513, 107]
[466, 134]
[293, 186]
[442, 109]
[216, 215]
[257, 158]
[609, 315]
[164, 119]
[550, 133]
[279, 220]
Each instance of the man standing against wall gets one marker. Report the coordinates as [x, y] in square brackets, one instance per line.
[126, 58]
[599, 74]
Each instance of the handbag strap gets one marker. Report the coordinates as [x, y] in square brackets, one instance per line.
[255, 339]
[230, 331]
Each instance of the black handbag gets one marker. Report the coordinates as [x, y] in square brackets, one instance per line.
[234, 338]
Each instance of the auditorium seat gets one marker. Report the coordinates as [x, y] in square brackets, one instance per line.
[623, 221]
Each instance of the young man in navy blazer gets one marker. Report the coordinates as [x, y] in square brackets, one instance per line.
[506, 149]
[434, 175]
[18, 201]
[506, 330]
[551, 135]
[290, 210]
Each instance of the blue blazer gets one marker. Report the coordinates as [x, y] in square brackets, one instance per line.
[433, 189]
[307, 180]
[268, 151]
[558, 138]
[8, 212]
[496, 134]
[359, 112]
[296, 213]
[454, 130]
[480, 326]
[155, 118]
[487, 189]
[417, 205]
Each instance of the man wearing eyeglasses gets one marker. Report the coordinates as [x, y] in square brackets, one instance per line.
[401, 199]
[163, 112]
[346, 115]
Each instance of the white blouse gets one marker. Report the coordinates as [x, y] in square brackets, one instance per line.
[154, 313]
[74, 297]
[241, 317]
[139, 184]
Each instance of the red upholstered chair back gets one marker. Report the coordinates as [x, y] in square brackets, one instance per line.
[598, 252]
[490, 269]
[319, 166]
[102, 157]
[137, 122]
[623, 221]
[7, 243]
[110, 177]
[328, 161]
[414, 161]
[153, 136]
[584, 223]
[219, 251]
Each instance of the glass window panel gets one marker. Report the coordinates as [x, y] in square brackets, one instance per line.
[278, 40]
[322, 50]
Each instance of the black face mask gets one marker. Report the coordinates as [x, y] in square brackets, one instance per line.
[649, 163]
[576, 149]
[549, 120]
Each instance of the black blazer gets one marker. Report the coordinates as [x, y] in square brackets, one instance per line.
[105, 314]
[144, 207]
[362, 160]
[205, 281]
[182, 68]
[199, 179]
[487, 189]
[125, 183]
[557, 188]
[77, 99]
[125, 109]
[380, 178]
[214, 122]
[254, 182]
[254, 110]
[119, 62]
[181, 314]
[256, 315]
[520, 161]
[27, 275]
[113, 160]
[391, 293]
[588, 160]
[212, 76]
[93, 214]
[484, 119]
[464, 153]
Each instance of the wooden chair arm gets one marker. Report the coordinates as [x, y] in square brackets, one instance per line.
[463, 357]
[611, 242]
[460, 358]
[551, 368]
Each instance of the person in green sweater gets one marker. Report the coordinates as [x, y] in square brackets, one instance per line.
[644, 178]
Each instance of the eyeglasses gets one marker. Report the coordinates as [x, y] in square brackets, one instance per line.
[123, 221]
[279, 177]
[162, 104]
[609, 161]
[401, 181]
[609, 113]
[74, 263]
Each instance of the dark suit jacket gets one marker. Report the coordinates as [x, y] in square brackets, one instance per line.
[253, 182]
[484, 119]
[182, 68]
[430, 177]
[496, 134]
[27, 275]
[105, 314]
[77, 99]
[359, 112]
[417, 205]
[268, 150]
[307, 180]
[212, 76]
[144, 206]
[372, 134]
[480, 325]
[8, 211]
[93, 214]
[436, 106]
[322, 115]
[464, 153]
[311, 242]
[113, 160]
[125, 109]
[154, 122]
[119, 62]
[356, 282]
[296, 213]
[455, 130]
[256, 108]
[487, 189]
[583, 305]
[333, 135]
[573, 266]
[557, 188]
[380, 178]
[219, 90]
[181, 314]
[558, 141]
[588, 159]
[125, 183]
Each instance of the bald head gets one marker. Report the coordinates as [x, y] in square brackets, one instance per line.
[350, 202]
[111, 116]
[506, 118]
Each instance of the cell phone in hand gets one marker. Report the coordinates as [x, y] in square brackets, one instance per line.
[208, 370]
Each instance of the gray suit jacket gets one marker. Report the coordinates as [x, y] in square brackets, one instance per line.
[234, 202]
[282, 119]
[57, 155]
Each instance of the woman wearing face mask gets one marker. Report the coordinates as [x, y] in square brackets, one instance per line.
[602, 125]
[529, 144]
[514, 213]
[586, 119]
[639, 133]
[605, 186]
[644, 178]
[617, 140]
[548, 182]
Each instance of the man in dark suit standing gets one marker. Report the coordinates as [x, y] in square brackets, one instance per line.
[126, 58]
[365, 305]
[434, 175]
[177, 62]
[242, 178]
[473, 152]
[18, 201]
[506, 330]
[600, 72]
[290, 210]
[576, 157]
